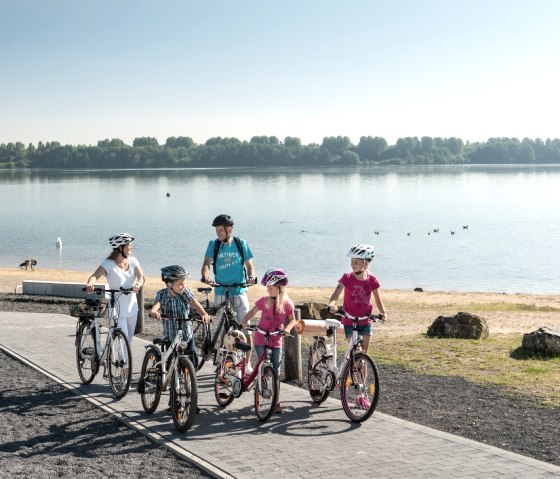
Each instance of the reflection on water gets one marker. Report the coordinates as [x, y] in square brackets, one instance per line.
[302, 220]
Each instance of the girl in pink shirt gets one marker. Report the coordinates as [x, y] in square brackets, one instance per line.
[276, 309]
[358, 287]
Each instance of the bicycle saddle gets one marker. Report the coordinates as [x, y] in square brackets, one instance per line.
[331, 322]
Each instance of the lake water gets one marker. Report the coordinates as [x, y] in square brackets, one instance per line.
[301, 220]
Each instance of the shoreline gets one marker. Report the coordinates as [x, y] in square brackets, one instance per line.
[12, 277]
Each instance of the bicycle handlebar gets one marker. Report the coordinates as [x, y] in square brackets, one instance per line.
[372, 317]
[112, 291]
[215, 284]
[269, 333]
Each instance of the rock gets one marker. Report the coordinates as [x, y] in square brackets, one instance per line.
[314, 311]
[543, 340]
[462, 325]
[419, 290]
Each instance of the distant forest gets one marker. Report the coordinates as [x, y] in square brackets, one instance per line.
[264, 151]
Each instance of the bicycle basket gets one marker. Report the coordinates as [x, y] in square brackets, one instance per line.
[88, 310]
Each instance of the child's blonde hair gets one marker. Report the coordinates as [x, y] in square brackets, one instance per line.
[281, 299]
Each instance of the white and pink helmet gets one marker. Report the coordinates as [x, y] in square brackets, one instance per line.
[275, 277]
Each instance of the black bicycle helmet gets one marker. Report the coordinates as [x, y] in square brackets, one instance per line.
[222, 220]
[173, 273]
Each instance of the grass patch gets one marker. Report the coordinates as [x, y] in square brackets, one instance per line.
[486, 362]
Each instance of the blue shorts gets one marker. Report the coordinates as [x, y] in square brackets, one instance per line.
[364, 330]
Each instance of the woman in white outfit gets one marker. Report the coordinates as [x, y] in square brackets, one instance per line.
[122, 271]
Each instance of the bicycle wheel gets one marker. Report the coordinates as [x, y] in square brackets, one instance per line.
[120, 364]
[360, 387]
[201, 336]
[149, 385]
[184, 395]
[223, 387]
[86, 357]
[317, 372]
[266, 393]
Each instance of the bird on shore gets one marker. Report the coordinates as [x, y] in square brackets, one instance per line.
[28, 264]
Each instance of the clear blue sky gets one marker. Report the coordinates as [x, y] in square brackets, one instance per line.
[82, 71]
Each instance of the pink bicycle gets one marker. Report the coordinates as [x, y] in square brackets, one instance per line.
[230, 374]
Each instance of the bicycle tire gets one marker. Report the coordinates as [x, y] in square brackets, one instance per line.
[184, 395]
[266, 393]
[223, 388]
[201, 343]
[86, 354]
[359, 387]
[316, 380]
[149, 385]
[119, 364]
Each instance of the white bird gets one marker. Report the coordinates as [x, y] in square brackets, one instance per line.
[58, 242]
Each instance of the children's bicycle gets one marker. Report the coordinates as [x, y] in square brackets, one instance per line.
[357, 377]
[115, 354]
[231, 381]
[167, 365]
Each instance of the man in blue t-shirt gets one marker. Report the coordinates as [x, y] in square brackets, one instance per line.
[233, 264]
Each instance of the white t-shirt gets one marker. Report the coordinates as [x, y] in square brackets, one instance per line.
[119, 278]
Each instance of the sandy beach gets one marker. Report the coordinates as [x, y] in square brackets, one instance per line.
[409, 312]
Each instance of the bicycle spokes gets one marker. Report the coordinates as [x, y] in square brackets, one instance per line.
[360, 391]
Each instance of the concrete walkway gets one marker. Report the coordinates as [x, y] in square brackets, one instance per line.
[305, 441]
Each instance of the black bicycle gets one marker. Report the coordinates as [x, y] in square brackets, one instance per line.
[207, 341]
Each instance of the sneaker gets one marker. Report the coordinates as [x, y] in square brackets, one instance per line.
[278, 407]
[248, 369]
[362, 402]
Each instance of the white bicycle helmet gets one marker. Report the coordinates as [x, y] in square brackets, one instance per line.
[362, 251]
[120, 240]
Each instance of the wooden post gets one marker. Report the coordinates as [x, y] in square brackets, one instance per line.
[292, 354]
[140, 318]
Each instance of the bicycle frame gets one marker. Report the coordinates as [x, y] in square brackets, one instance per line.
[102, 351]
[173, 352]
[247, 383]
[226, 312]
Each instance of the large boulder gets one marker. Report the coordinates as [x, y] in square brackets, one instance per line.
[462, 325]
[543, 340]
[314, 310]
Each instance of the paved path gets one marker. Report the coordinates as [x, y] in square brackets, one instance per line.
[306, 440]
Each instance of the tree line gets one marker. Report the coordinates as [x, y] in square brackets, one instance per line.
[183, 152]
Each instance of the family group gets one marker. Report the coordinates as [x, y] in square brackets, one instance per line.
[231, 261]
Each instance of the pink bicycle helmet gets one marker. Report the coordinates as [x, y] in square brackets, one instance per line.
[275, 277]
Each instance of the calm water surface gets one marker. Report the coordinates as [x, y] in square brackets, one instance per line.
[302, 220]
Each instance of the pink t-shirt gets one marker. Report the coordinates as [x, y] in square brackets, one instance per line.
[271, 320]
[357, 296]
